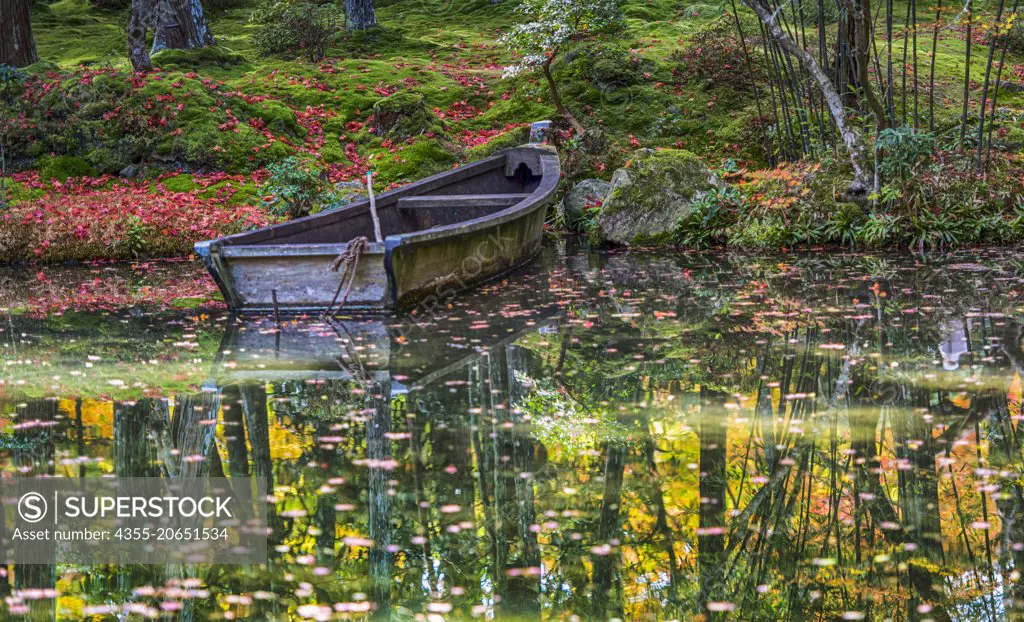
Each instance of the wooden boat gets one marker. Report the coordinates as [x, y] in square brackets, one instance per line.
[440, 235]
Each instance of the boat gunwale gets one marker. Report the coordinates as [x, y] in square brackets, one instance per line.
[296, 250]
[549, 182]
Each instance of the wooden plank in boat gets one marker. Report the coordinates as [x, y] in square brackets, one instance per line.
[461, 200]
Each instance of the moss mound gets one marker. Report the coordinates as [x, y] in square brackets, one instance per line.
[607, 65]
[214, 55]
[404, 115]
[507, 140]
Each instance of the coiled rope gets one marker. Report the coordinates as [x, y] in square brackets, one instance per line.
[350, 256]
[349, 259]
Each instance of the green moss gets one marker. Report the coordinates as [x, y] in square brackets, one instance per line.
[42, 67]
[518, 107]
[215, 55]
[512, 138]
[109, 160]
[72, 32]
[179, 183]
[16, 193]
[650, 10]
[63, 167]
[278, 117]
[189, 303]
[421, 159]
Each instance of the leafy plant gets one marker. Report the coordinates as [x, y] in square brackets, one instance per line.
[282, 25]
[296, 188]
[935, 230]
[879, 230]
[843, 225]
[711, 214]
[133, 238]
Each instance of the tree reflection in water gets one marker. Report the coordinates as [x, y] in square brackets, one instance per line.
[607, 436]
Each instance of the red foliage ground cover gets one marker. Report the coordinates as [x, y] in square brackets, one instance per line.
[107, 218]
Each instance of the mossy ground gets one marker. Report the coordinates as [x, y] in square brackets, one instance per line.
[231, 109]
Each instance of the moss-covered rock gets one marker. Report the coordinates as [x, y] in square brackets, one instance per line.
[650, 195]
[277, 117]
[402, 116]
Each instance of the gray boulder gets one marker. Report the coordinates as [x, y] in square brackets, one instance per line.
[587, 193]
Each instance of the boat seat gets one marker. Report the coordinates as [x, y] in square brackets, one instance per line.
[436, 201]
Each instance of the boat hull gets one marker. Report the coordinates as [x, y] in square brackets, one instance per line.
[443, 234]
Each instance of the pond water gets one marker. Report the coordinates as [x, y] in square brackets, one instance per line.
[602, 436]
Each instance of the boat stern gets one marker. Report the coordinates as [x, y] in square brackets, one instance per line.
[302, 278]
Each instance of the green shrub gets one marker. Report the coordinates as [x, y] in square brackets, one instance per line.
[709, 220]
[715, 54]
[296, 188]
[904, 151]
[283, 26]
[607, 65]
[64, 166]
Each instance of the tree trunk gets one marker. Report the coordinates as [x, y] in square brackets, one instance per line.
[852, 139]
[360, 14]
[134, 453]
[35, 458]
[557, 98]
[608, 529]
[180, 25]
[859, 12]
[138, 24]
[378, 451]
[711, 515]
[17, 47]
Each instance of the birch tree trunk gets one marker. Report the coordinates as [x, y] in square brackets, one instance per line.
[360, 13]
[851, 136]
[180, 25]
[17, 47]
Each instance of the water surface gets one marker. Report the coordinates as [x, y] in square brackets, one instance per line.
[603, 436]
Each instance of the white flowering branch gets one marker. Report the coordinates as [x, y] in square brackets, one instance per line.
[548, 25]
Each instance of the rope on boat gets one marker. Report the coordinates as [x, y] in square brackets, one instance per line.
[350, 256]
[349, 259]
